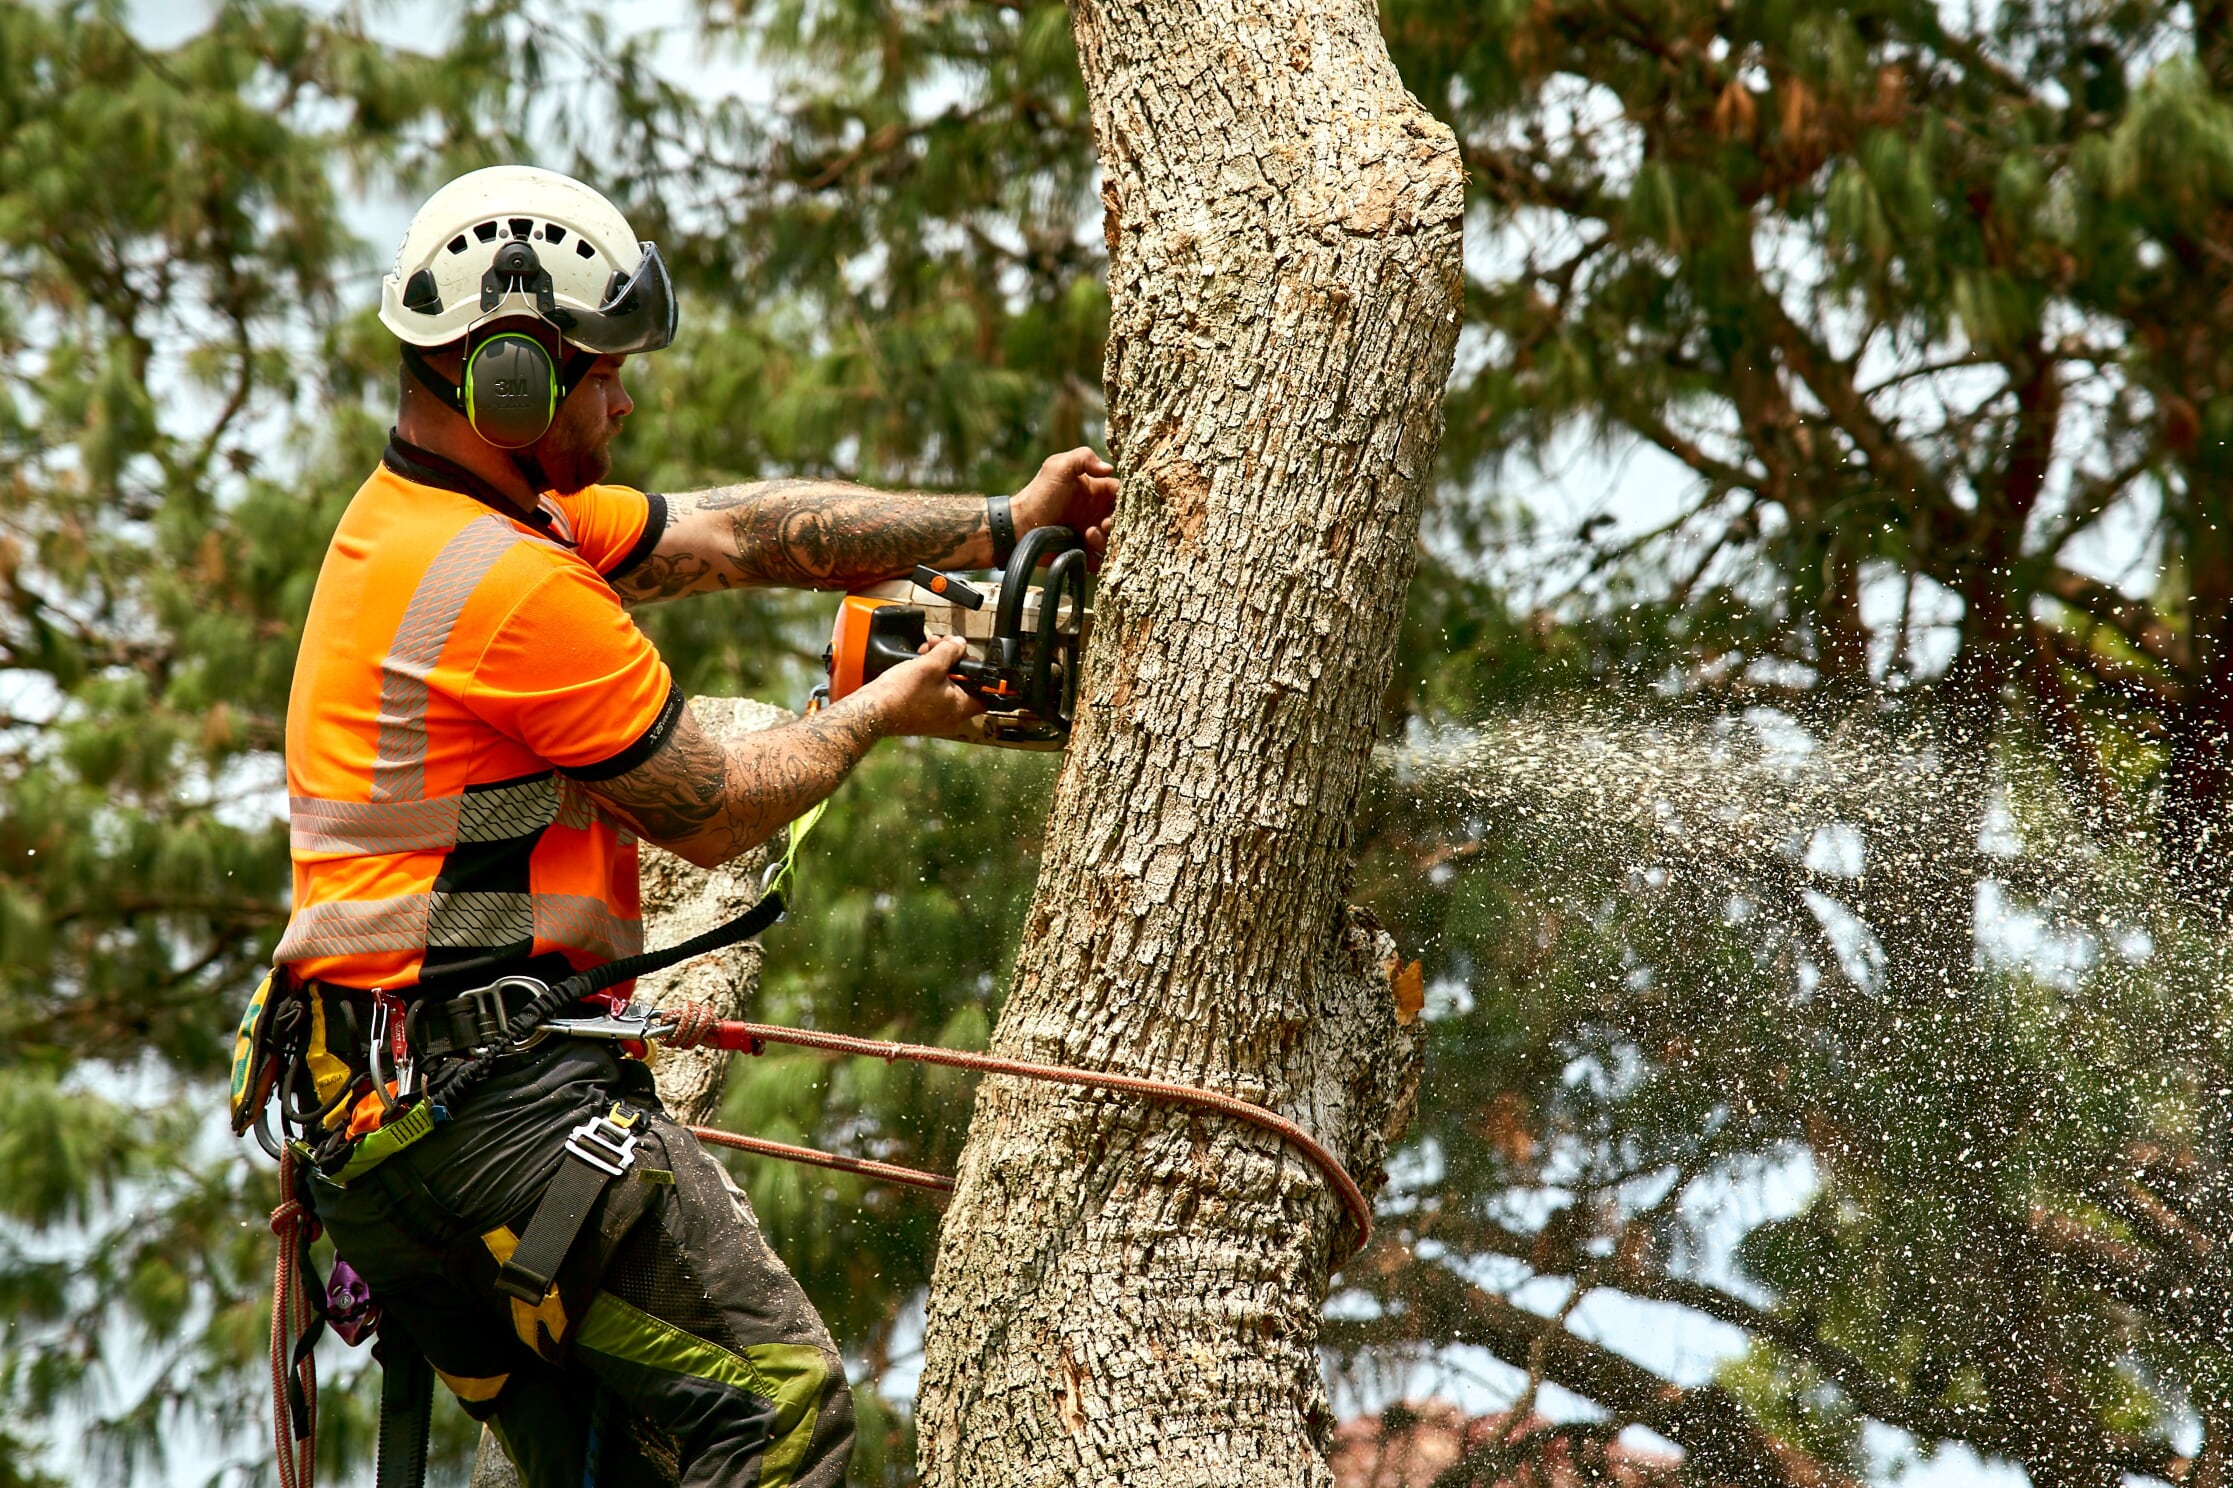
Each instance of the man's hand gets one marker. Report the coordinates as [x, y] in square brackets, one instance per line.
[919, 698]
[707, 802]
[1076, 489]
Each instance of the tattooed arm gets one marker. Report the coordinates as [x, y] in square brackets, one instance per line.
[808, 534]
[805, 535]
[708, 802]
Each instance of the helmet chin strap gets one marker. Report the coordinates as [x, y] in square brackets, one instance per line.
[446, 392]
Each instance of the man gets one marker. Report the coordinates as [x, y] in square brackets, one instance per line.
[477, 735]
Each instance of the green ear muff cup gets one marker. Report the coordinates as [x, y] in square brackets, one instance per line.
[511, 390]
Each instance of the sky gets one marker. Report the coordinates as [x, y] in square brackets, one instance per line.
[1636, 489]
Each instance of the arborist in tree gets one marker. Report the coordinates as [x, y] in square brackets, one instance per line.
[478, 734]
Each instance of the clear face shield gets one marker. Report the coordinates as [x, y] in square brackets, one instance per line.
[638, 316]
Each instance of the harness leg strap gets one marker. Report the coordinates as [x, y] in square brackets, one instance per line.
[598, 1151]
[406, 1411]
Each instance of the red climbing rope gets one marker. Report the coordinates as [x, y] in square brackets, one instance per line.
[749, 1037]
[297, 1457]
[814, 1157]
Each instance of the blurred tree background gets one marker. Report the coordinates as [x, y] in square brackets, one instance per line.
[1816, 853]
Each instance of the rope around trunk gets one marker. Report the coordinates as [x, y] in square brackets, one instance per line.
[749, 1037]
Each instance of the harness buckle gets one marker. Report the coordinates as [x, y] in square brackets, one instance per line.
[480, 1014]
[605, 1142]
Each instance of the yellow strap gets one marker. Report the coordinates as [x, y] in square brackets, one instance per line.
[779, 881]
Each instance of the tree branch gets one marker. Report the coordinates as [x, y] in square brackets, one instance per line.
[1709, 1423]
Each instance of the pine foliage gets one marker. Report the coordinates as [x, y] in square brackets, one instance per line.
[1912, 317]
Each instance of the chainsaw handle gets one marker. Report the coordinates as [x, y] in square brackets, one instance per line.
[1036, 547]
[1067, 571]
[895, 637]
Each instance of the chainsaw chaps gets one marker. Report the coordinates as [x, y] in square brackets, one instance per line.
[1023, 639]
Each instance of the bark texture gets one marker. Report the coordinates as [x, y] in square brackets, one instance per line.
[680, 900]
[1126, 1293]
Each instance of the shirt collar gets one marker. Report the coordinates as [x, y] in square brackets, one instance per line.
[427, 468]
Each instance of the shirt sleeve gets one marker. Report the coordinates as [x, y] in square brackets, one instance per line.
[614, 527]
[569, 675]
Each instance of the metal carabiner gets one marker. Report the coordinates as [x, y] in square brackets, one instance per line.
[376, 1048]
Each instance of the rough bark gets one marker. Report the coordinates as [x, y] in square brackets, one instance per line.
[1125, 1293]
[680, 900]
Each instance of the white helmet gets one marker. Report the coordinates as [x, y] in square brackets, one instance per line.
[514, 241]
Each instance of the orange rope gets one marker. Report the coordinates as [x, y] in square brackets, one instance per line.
[867, 1167]
[298, 1459]
[747, 1037]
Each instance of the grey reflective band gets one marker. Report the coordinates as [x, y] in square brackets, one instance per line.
[478, 919]
[399, 759]
[351, 927]
[482, 814]
[411, 922]
[353, 828]
[582, 923]
[504, 812]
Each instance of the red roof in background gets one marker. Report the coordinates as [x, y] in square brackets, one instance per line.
[1409, 1446]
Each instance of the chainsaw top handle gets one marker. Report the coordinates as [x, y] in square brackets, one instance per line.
[1034, 548]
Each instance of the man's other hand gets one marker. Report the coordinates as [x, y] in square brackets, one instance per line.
[1076, 489]
[918, 698]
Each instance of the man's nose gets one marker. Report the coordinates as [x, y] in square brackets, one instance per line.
[621, 405]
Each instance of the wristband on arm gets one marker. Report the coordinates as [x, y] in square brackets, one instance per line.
[1002, 523]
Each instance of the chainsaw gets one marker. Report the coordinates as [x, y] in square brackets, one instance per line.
[1023, 639]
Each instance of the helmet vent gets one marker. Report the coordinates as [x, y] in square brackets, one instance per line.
[486, 232]
[553, 233]
[457, 244]
[522, 226]
[581, 246]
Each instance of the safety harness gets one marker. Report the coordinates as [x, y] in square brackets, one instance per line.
[476, 1029]
[515, 1013]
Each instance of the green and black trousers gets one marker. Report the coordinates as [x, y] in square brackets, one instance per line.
[673, 1346]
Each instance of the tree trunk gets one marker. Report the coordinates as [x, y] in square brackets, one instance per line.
[680, 900]
[1126, 1292]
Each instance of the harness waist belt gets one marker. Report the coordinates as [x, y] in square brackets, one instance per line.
[436, 1026]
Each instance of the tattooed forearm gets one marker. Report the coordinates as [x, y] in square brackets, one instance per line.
[708, 803]
[806, 534]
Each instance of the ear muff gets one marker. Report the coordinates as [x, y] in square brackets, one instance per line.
[510, 389]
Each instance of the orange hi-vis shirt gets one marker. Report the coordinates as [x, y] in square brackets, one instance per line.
[462, 669]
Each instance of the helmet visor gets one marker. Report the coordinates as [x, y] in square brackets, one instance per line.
[638, 316]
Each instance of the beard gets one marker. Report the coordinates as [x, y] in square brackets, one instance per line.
[573, 455]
